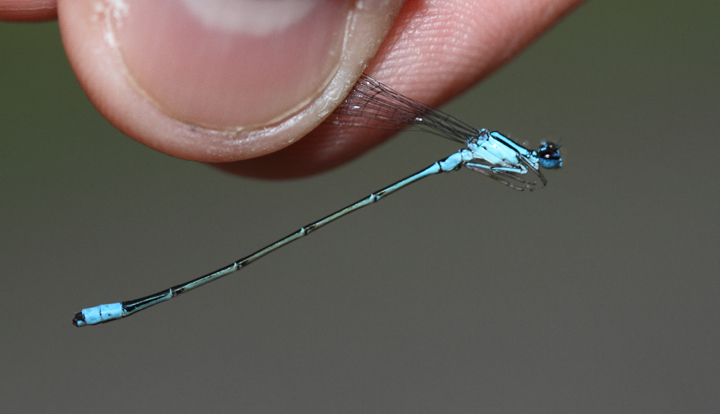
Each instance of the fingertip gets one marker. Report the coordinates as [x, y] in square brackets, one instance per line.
[216, 86]
[228, 65]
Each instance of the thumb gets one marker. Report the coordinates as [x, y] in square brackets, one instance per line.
[220, 80]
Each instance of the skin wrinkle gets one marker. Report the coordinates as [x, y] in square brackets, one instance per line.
[445, 43]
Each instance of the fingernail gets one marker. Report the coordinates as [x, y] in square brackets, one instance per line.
[226, 64]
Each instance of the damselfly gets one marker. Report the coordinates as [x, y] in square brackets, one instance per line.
[372, 104]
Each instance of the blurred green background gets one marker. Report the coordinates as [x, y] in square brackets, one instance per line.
[597, 294]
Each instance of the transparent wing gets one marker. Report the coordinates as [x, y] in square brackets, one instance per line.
[511, 180]
[514, 180]
[374, 105]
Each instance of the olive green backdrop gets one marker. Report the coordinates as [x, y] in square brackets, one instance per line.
[600, 293]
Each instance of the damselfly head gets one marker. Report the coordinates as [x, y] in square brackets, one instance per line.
[549, 155]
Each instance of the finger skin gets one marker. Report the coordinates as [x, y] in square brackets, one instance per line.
[28, 10]
[91, 31]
